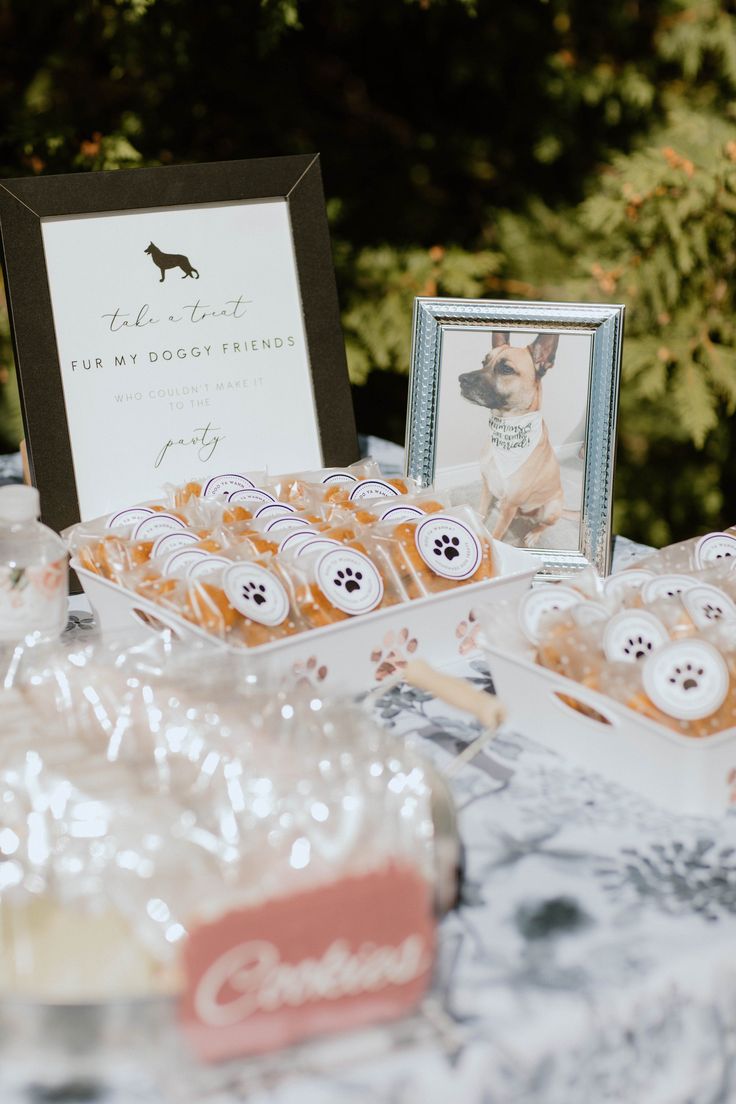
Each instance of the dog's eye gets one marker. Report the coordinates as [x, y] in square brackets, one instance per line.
[505, 369]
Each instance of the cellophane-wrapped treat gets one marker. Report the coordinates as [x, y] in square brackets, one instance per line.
[659, 638]
[148, 792]
[322, 547]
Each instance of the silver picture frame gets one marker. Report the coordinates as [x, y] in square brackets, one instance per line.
[442, 325]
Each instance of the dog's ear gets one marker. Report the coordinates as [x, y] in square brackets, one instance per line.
[543, 352]
[500, 337]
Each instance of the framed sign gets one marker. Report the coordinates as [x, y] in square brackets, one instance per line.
[171, 323]
[512, 408]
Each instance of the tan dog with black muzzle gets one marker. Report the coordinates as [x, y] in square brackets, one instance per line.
[521, 474]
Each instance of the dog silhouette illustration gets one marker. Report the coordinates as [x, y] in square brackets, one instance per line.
[165, 261]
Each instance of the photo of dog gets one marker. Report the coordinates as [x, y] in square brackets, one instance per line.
[512, 417]
[165, 261]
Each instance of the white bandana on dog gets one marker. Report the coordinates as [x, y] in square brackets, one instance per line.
[513, 439]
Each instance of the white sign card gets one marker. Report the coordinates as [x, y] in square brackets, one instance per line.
[173, 323]
[181, 346]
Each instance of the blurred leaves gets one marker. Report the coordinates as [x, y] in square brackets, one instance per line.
[545, 149]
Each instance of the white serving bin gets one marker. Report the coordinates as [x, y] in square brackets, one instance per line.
[686, 775]
[350, 657]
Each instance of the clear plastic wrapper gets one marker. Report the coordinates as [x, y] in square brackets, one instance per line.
[696, 554]
[433, 554]
[298, 488]
[147, 792]
[218, 486]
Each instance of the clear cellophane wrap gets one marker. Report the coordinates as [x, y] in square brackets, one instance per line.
[146, 790]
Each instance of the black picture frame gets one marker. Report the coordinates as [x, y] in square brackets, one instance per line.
[25, 202]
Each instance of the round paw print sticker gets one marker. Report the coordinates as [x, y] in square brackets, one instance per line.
[707, 605]
[666, 586]
[448, 547]
[349, 580]
[686, 679]
[256, 593]
[540, 601]
[632, 636]
[715, 548]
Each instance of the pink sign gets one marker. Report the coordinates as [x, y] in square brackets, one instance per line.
[347, 954]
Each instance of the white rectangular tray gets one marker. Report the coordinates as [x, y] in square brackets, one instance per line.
[350, 657]
[682, 774]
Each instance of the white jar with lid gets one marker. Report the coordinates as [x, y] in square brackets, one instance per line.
[34, 573]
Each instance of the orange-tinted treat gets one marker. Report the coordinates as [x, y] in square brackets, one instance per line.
[400, 484]
[254, 634]
[234, 514]
[209, 544]
[338, 492]
[158, 588]
[106, 557]
[182, 495]
[314, 607]
[139, 552]
[207, 606]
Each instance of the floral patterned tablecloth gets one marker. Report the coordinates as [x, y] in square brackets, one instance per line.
[591, 961]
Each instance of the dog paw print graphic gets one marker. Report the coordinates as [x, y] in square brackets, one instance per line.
[349, 580]
[714, 548]
[632, 636]
[448, 546]
[686, 679]
[708, 605]
[256, 593]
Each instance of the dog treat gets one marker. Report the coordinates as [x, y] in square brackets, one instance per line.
[177, 553]
[298, 487]
[403, 508]
[435, 553]
[695, 554]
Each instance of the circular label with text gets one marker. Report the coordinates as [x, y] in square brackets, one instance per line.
[542, 600]
[617, 586]
[714, 548]
[340, 477]
[275, 509]
[349, 580]
[172, 542]
[448, 547]
[292, 524]
[316, 544]
[225, 485]
[372, 488]
[251, 496]
[686, 679]
[401, 513]
[588, 613]
[666, 586]
[707, 605]
[183, 560]
[633, 635]
[205, 564]
[295, 539]
[256, 593]
[131, 516]
[155, 526]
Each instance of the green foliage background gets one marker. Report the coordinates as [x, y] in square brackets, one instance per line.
[560, 149]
